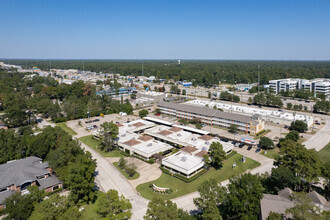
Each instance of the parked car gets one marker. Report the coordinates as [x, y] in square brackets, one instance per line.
[95, 126]
[249, 148]
[258, 150]
[96, 120]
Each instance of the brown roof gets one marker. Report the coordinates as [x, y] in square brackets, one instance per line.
[205, 137]
[165, 133]
[132, 142]
[145, 138]
[201, 153]
[189, 149]
[175, 129]
[119, 125]
[138, 124]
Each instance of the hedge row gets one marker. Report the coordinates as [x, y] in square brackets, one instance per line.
[184, 179]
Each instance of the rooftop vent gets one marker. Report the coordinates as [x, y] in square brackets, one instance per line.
[123, 135]
[183, 159]
[150, 144]
[179, 135]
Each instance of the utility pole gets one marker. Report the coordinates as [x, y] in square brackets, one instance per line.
[258, 80]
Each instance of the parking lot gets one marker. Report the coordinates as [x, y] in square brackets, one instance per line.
[83, 129]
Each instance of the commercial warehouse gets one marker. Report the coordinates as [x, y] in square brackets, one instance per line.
[248, 124]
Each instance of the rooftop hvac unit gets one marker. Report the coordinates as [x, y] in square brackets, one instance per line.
[150, 144]
[179, 135]
[204, 148]
[183, 159]
[123, 135]
[129, 125]
[206, 142]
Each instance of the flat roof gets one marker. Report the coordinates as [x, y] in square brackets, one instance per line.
[205, 111]
[183, 162]
[195, 130]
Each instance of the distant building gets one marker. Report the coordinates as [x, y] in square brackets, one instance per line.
[18, 175]
[314, 85]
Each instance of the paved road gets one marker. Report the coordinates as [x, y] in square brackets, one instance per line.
[321, 138]
[109, 177]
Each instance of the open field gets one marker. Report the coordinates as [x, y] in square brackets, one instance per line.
[66, 128]
[181, 188]
[93, 143]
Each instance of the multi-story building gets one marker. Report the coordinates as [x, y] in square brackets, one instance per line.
[314, 85]
[248, 124]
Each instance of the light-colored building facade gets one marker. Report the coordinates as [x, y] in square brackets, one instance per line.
[248, 124]
[315, 85]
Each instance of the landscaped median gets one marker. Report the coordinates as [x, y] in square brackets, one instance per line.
[136, 175]
[93, 143]
[181, 188]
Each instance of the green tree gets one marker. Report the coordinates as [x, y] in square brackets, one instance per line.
[211, 193]
[55, 207]
[198, 126]
[292, 135]
[305, 163]
[289, 106]
[21, 206]
[250, 100]
[122, 163]
[133, 96]
[233, 128]
[217, 154]
[299, 126]
[274, 216]
[282, 177]
[160, 209]
[113, 206]
[209, 95]
[109, 134]
[143, 113]
[266, 143]
[211, 211]
[16, 110]
[244, 195]
[184, 92]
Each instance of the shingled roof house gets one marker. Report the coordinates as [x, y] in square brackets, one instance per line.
[279, 203]
[17, 175]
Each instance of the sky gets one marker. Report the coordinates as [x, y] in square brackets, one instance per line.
[165, 29]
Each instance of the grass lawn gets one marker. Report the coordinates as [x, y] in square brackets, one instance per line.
[93, 143]
[181, 188]
[325, 153]
[136, 175]
[271, 153]
[66, 128]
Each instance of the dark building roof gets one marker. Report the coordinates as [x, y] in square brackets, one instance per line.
[206, 137]
[279, 203]
[175, 129]
[201, 153]
[4, 195]
[138, 124]
[19, 171]
[165, 133]
[48, 182]
[205, 111]
[189, 149]
[132, 142]
[145, 138]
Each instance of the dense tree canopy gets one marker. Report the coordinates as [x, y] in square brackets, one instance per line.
[217, 154]
[206, 72]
